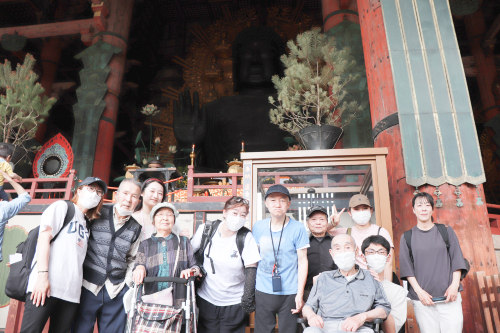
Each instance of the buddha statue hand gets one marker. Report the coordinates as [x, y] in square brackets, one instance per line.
[190, 121]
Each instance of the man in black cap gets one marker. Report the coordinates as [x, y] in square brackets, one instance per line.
[318, 254]
[282, 271]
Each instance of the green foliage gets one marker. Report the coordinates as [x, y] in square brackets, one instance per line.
[313, 66]
[22, 106]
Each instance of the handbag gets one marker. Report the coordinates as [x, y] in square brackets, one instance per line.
[165, 296]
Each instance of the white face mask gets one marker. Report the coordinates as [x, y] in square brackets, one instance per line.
[345, 261]
[234, 223]
[361, 217]
[88, 199]
[376, 262]
[123, 212]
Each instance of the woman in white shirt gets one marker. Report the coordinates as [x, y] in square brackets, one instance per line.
[56, 277]
[227, 293]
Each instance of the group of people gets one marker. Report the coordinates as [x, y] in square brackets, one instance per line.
[339, 279]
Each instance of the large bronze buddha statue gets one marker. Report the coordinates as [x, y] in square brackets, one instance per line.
[219, 127]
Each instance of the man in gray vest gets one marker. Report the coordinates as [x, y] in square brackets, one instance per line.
[107, 269]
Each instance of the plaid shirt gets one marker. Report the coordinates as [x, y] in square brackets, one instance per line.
[157, 255]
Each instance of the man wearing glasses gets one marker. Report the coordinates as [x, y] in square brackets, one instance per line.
[376, 252]
[107, 270]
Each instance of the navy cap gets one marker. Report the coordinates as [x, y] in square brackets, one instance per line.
[315, 209]
[278, 189]
[90, 180]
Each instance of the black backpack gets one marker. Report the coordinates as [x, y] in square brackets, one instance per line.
[17, 281]
[444, 233]
[209, 232]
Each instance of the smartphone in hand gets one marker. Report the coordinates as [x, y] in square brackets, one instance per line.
[439, 299]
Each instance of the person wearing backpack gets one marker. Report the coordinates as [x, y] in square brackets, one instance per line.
[229, 255]
[431, 260]
[55, 281]
[9, 209]
[107, 270]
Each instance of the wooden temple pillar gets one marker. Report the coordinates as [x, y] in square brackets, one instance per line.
[118, 26]
[470, 221]
[50, 57]
[486, 69]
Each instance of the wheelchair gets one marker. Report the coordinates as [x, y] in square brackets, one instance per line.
[376, 329]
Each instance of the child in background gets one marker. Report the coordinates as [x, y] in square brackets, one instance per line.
[5, 157]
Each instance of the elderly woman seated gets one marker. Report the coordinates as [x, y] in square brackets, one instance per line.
[157, 256]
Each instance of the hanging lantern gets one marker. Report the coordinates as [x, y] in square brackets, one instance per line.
[13, 42]
[464, 7]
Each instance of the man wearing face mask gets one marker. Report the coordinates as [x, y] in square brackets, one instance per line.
[348, 299]
[228, 291]
[107, 269]
[360, 210]
[376, 252]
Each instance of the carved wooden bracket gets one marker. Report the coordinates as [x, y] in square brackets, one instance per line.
[101, 12]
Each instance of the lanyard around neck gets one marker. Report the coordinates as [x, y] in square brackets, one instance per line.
[275, 267]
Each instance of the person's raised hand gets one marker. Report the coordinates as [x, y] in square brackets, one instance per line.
[139, 274]
[335, 218]
[6, 176]
[315, 321]
[190, 121]
[352, 324]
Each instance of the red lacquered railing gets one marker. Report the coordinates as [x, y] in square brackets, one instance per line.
[191, 186]
[36, 193]
[494, 218]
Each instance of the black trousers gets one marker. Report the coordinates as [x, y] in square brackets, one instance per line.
[61, 314]
[268, 306]
[220, 319]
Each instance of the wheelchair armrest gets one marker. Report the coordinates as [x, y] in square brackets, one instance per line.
[301, 320]
[378, 321]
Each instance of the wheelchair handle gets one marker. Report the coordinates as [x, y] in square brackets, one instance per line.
[164, 279]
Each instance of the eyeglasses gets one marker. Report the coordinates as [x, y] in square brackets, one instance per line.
[94, 190]
[382, 252]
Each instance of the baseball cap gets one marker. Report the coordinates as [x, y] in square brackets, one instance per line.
[315, 209]
[163, 205]
[359, 199]
[278, 189]
[90, 180]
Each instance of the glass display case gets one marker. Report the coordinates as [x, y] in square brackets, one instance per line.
[319, 177]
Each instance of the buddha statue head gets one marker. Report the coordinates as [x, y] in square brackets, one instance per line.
[256, 58]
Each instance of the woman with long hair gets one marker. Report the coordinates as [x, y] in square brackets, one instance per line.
[152, 193]
[55, 282]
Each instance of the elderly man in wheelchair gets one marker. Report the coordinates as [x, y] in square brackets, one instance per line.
[347, 299]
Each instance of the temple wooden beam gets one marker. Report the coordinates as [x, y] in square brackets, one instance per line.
[51, 29]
